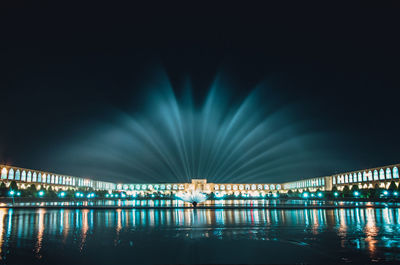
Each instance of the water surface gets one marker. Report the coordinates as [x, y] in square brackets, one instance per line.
[182, 236]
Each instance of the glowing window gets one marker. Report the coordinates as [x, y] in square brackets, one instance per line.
[259, 187]
[137, 187]
[351, 178]
[222, 187]
[278, 186]
[365, 177]
[272, 187]
[216, 187]
[388, 173]
[17, 175]
[39, 179]
[175, 187]
[360, 178]
[125, 187]
[235, 187]
[241, 187]
[51, 179]
[369, 174]
[181, 187]
[346, 179]
[34, 177]
[247, 187]
[11, 174]
[395, 173]
[29, 177]
[381, 174]
[131, 187]
[334, 180]
[56, 180]
[266, 187]
[253, 187]
[168, 187]
[156, 187]
[376, 176]
[163, 187]
[44, 178]
[23, 177]
[228, 187]
[4, 173]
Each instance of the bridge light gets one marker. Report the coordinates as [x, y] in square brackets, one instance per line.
[41, 193]
[385, 192]
[18, 193]
[305, 195]
[62, 194]
[107, 195]
[11, 192]
[356, 193]
[319, 194]
[395, 193]
[336, 194]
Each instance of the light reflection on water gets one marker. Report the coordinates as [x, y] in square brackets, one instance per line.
[178, 203]
[336, 234]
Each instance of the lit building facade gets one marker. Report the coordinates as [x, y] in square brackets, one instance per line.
[368, 178]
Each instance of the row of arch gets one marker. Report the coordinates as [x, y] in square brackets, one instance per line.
[307, 183]
[29, 176]
[375, 175]
[247, 187]
[46, 178]
[150, 187]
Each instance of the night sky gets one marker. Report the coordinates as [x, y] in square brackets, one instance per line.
[64, 70]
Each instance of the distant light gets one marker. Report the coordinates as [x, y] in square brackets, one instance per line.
[219, 195]
[11, 192]
[18, 193]
[395, 193]
[385, 193]
[320, 194]
[107, 195]
[123, 195]
[305, 195]
[78, 194]
[356, 193]
[335, 194]
[41, 193]
[275, 195]
[62, 194]
[312, 195]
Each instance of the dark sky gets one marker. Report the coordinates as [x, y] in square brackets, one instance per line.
[63, 67]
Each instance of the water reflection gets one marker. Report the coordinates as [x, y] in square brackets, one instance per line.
[217, 203]
[373, 231]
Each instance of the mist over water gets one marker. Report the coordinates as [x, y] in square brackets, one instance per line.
[176, 136]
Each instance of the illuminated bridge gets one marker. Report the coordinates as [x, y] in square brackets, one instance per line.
[380, 177]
